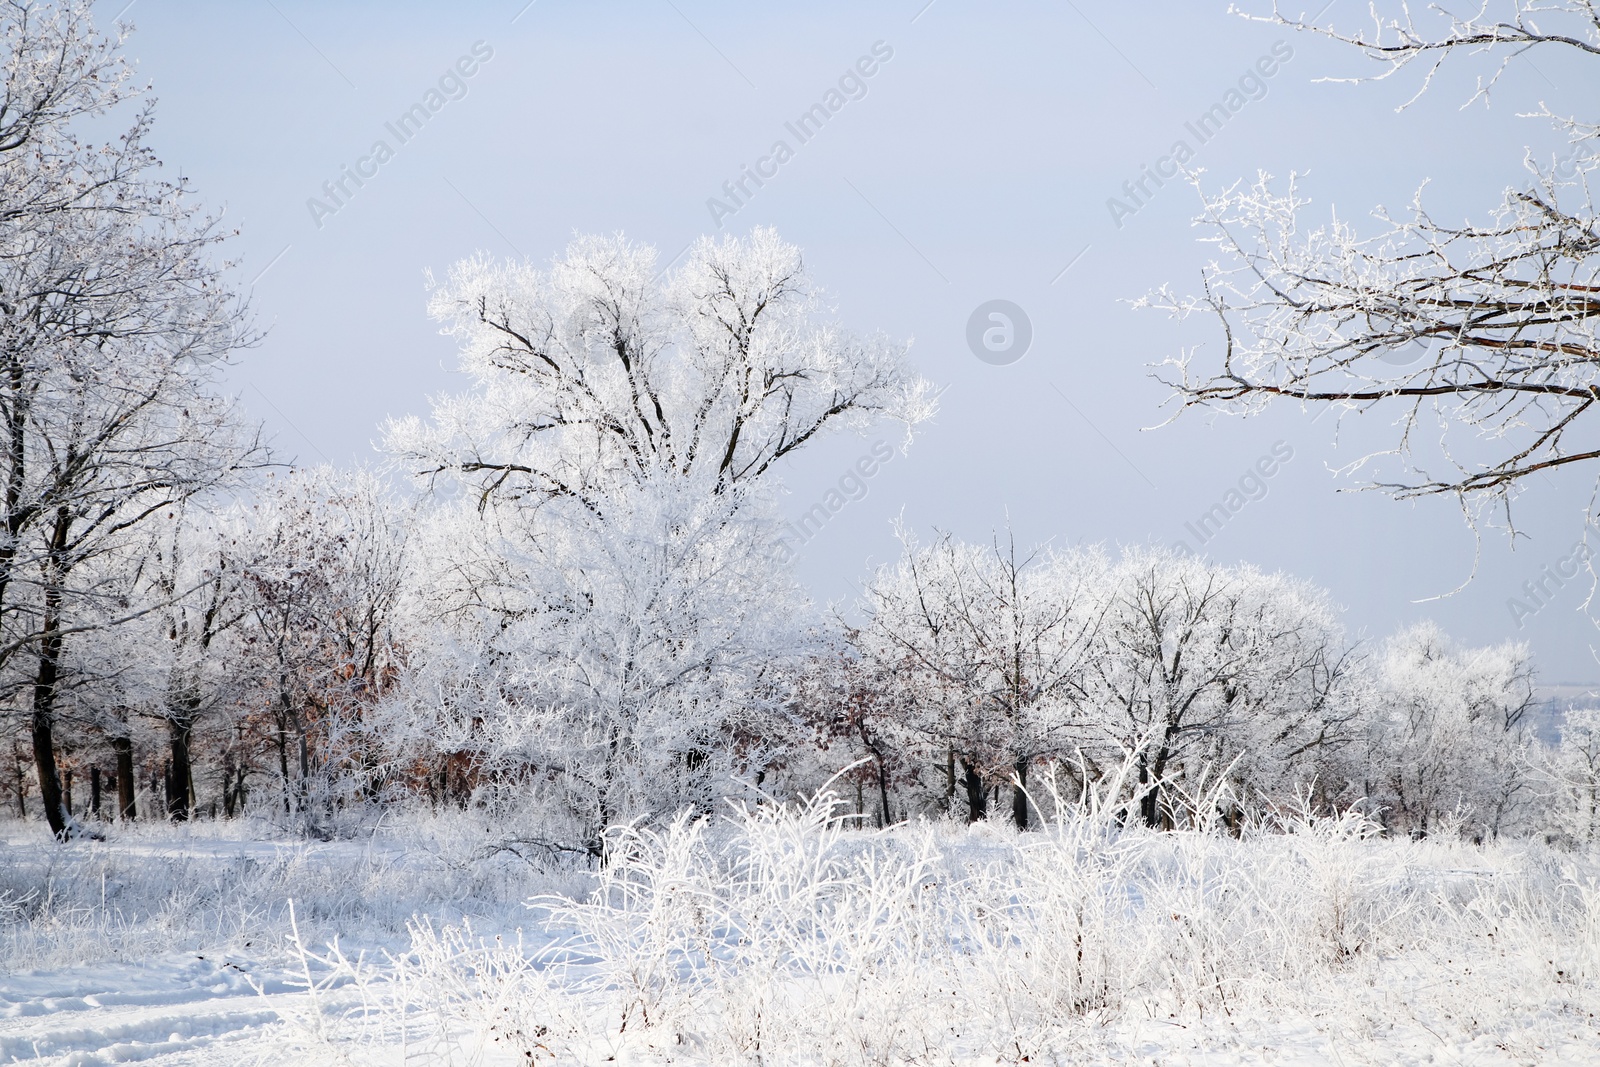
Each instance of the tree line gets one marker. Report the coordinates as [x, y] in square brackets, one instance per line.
[559, 597]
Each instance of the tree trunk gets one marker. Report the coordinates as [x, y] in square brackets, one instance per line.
[1145, 792]
[305, 768]
[94, 790]
[977, 795]
[44, 760]
[283, 760]
[127, 805]
[228, 803]
[44, 706]
[950, 780]
[1019, 794]
[881, 767]
[180, 786]
[1150, 799]
[884, 815]
[373, 787]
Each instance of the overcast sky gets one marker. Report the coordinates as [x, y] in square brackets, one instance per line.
[975, 163]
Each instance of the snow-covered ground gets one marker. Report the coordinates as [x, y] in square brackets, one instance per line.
[170, 944]
[173, 1008]
[784, 937]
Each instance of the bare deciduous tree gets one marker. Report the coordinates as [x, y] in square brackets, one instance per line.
[1200, 663]
[995, 646]
[612, 580]
[1484, 337]
[325, 566]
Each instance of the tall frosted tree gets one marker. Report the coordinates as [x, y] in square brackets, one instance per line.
[611, 565]
[113, 315]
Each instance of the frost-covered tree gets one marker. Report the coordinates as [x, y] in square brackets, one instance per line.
[112, 314]
[1184, 666]
[1574, 768]
[160, 668]
[603, 371]
[994, 645]
[1198, 663]
[326, 562]
[1483, 338]
[618, 668]
[1448, 740]
[191, 579]
[615, 607]
[863, 710]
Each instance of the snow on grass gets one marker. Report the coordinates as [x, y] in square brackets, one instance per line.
[783, 935]
[206, 887]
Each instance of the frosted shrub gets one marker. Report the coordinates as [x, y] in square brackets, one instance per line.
[1348, 886]
[650, 920]
[462, 995]
[731, 944]
[1586, 944]
[780, 933]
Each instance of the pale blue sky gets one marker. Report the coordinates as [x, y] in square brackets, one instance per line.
[977, 166]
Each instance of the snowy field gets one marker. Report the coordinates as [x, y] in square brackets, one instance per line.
[783, 936]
